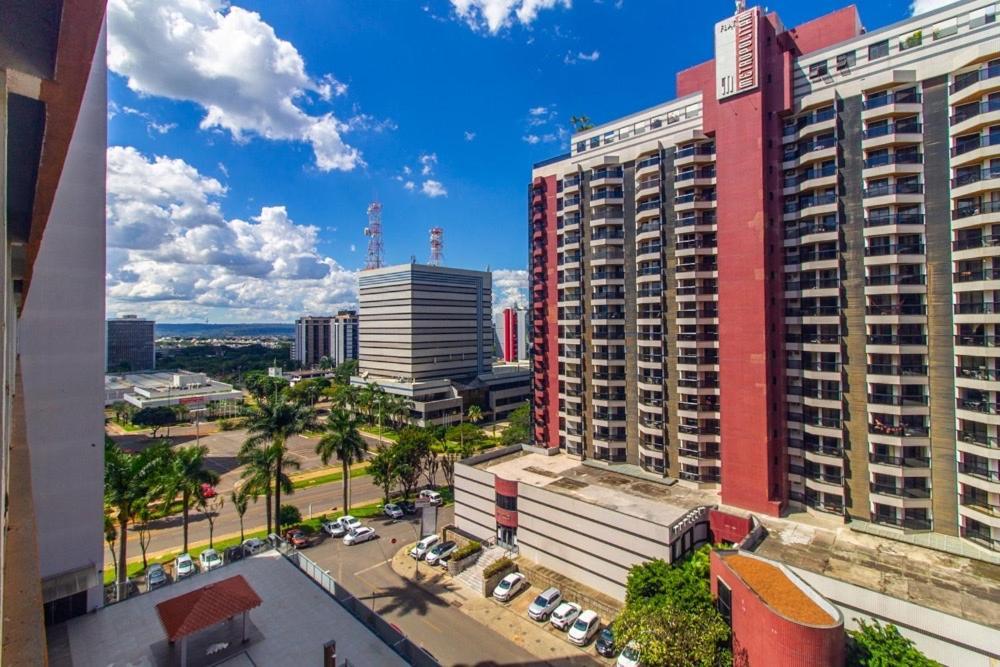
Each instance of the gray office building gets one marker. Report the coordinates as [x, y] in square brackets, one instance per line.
[131, 344]
[422, 322]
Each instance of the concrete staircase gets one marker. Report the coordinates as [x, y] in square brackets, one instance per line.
[472, 577]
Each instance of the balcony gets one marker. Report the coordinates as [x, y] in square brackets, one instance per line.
[898, 400]
[700, 477]
[888, 129]
[885, 99]
[886, 249]
[978, 438]
[900, 461]
[979, 472]
[893, 189]
[964, 81]
[885, 160]
[982, 537]
[978, 340]
[976, 208]
[896, 370]
[980, 406]
[897, 219]
[896, 491]
[906, 523]
[899, 430]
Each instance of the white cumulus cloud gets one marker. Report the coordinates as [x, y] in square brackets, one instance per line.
[924, 6]
[174, 255]
[248, 81]
[493, 16]
[510, 288]
[433, 188]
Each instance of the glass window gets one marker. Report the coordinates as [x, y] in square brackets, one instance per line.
[507, 502]
[946, 28]
[725, 602]
[845, 60]
[878, 50]
[980, 17]
[817, 70]
[911, 40]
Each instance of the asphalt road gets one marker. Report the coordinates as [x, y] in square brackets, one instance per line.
[444, 631]
[223, 447]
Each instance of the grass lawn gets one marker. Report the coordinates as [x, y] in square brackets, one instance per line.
[328, 478]
[129, 427]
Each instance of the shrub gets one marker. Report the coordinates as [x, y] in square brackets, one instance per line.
[227, 424]
[497, 566]
[467, 550]
[289, 515]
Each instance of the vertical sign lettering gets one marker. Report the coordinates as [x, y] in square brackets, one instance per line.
[736, 55]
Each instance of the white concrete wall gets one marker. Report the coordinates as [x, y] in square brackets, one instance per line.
[475, 501]
[61, 337]
[948, 639]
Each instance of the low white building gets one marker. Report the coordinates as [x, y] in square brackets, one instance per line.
[152, 390]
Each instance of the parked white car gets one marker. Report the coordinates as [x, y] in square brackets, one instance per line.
[209, 560]
[565, 614]
[359, 535]
[509, 586]
[545, 604]
[629, 657]
[440, 552]
[342, 526]
[420, 549]
[393, 511]
[432, 497]
[586, 626]
[183, 566]
[253, 546]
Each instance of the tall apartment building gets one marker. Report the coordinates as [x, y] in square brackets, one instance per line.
[421, 322]
[508, 329]
[785, 283]
[334, 337]
[53, 117]
[131, 344]
[344, 337]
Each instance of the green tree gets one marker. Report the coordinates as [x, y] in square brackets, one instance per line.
[342, 439]
[325, 363]
[684, 585]
[452, 452]
[474, 414]
[263, 387]
[111, 539]
[154, 418]
[668, 636]
[183, 476]
[141, 521]
[518, 429]
[580, 123]
[240, 498]
[342, 374]
[382, 467]
[877, 645]
[289, 515]
[210, 506]
[269, 425]
[410, 452]
[129, 481]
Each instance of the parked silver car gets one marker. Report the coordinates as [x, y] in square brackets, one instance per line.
[545, 604]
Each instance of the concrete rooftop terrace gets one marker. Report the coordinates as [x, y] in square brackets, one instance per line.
[296, 617]
[652, 501]
[956, 585]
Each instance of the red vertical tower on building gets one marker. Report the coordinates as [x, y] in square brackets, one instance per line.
[509, 334]
[744, 92]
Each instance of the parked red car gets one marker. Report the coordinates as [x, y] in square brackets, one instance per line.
[297, 538]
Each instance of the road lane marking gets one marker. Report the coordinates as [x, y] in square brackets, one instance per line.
[372, 567]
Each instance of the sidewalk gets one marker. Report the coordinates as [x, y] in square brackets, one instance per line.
[508, 620]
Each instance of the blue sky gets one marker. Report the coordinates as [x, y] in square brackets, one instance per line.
[247, 138]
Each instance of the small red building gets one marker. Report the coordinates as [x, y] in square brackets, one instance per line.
[776, 618]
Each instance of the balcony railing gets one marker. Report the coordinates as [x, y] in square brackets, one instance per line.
[894, 249]
[882, 280]
[900, 491]
[900, 461]
[899, 430]
[897, 399]
[894, 189]
[876, 101]
[905, 523]
[977, 438]
[893, 128]
[978, 340]
[979, 471]
[976, 208]
[963, 81]
[883, 160]
[981, 141]
[893, 369]
[897, 219]
[982, 308]
[982, 406]
[981, 536]
[896, 339]
[897, 309]
[975, 176]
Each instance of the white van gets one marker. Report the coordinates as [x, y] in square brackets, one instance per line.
[421, 548]
[432, 497]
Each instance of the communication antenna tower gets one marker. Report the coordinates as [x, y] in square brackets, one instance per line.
[437, 246]
[374, 233]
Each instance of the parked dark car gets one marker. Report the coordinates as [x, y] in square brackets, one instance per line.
[233, 553]
[605, 643]
[298, 538]
[407, 507]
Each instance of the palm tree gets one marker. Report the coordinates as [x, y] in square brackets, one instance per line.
[475, 414]
[343, 440]
[240, 498]
[129, 480]
[272, 423]
[184, 475]
[256, 478]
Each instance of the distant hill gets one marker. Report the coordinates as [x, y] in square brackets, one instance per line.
[198, 330]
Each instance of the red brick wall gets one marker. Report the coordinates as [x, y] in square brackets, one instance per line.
[728, 527]
[763, 637]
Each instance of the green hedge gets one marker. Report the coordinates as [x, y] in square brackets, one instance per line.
[467, 550]
[496, 566]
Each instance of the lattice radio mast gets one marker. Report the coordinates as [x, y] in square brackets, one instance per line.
[374, 233]
[437, 246]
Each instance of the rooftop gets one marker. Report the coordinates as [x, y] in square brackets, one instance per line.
[648, 500]
[956, 585]
[777, 590]
[295, 618]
